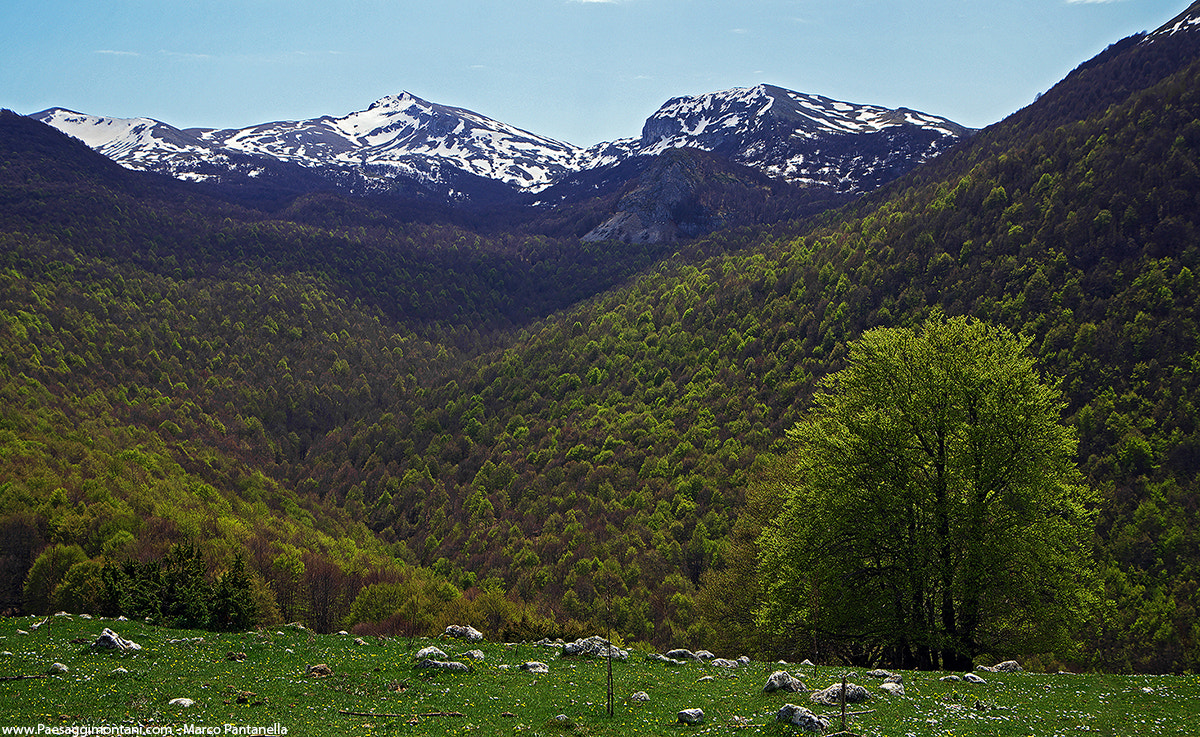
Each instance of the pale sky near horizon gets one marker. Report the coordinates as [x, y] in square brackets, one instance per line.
[581, 71]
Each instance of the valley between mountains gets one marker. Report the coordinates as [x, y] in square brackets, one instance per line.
[411, 366]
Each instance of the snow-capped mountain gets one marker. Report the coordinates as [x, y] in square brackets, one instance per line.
[400, 139]
[801, 138]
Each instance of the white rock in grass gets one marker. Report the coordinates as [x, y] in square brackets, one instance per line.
[798, 716]
[781, 680]
[972, 678]
[535, 666]
[1009, 666]
[950, 679]
[691, 716]
[832, 696]
[57, 668]
[640, 696]
[109, 640]
[430, 652]
[476, 655]
[181, 702]
[895, 689]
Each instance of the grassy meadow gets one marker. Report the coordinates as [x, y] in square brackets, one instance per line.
[374, 690]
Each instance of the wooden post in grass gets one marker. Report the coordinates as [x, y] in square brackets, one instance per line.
[610, 649]
[843, 702]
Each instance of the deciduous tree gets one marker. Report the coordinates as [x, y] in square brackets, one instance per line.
[936, 512]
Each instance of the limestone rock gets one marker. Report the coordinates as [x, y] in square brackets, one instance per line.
[972, 678]
[640, 696]
[320, 670]
[430, 653]
[691, 716]
[594, 646]
[832, 696]
[476, 655]
[535, 666]
[181, 702]
[450, 665]
[464, 632]
[1009, 666]
[781, 680]
[681, 654]
[798, 716]
[109, 640]
[658, 658]
[893, 688]
[57, 669]
[723, 663]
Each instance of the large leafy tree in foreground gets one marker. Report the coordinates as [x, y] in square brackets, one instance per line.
[936, 513]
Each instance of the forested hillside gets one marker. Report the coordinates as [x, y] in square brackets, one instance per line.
[577, 435]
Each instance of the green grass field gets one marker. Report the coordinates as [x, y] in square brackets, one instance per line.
[269, 691]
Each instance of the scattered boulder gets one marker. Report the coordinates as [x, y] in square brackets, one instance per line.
[832, 696]
[430, 653]
[880, 674]
[1009, 666]
[535, 666]
[704, 655]
[681, 654]
[319, 671]
[744, 660]
[187, 641]
[359, 641]
[972, 678]
[657, 658]
[594, 646]
[450, 665]
[464, 632]
[476, 655]
[808, 663]
[950, 678]
[181, 702]
[798, 716]
[57, 669]
[691, 716]
[781, 680]
[119, 673]
[109, 640]
[723, 663]
[639, 697]
[893, 688]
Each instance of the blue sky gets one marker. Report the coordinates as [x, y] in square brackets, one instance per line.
[581, 71]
